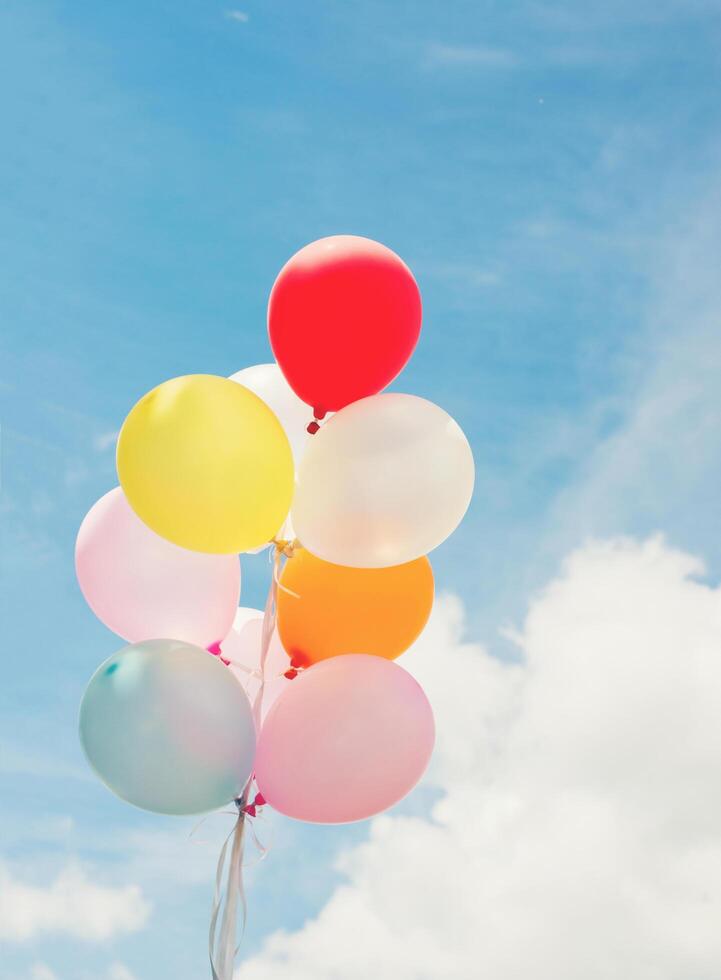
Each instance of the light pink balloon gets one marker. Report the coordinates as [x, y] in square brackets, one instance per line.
[242, 647]
[143, 587]
[348, 738]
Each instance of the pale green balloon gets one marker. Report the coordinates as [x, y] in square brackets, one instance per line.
[167, 727]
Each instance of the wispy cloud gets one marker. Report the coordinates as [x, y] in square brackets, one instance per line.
[20, 760]
[237, 15]
[71, 905]
[116, 971]
[468, 56]
[104, 441]
[41, 971]
[465, 274]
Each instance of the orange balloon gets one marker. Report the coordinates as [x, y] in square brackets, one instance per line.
[340, 610]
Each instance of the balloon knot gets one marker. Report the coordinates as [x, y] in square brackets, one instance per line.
[283, 547]
[319, 413]
[290, 674]
[215, 650]
[251, 809]
[312, 428]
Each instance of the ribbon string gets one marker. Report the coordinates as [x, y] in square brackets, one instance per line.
[227, 896]
[229, 890]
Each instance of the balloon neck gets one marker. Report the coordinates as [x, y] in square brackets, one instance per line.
[298, 662]
[318, 415]
[215, 650]
[284, 547]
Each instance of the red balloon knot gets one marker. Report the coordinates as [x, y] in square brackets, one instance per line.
[251, 809]
[290, 674]
[319, 413]
[312, 428]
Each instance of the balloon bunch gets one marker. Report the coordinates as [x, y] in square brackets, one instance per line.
[304, 702]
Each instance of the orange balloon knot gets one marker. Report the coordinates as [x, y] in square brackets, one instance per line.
[312, 428]
[283, 547]
[215, 650]
[291, 674]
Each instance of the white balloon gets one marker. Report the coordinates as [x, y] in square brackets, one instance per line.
[385, 481]
[242, 647]
[268, 383]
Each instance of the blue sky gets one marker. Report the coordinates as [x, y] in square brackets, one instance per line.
[548, 170]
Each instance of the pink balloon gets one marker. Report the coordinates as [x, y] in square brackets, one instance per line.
[348, 738]
[242, 648]
[143, 587]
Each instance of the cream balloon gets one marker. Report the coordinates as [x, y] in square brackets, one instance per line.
[384, 481]
[267, 382]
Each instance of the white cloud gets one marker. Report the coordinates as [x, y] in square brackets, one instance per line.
[579, 829]
[238, 15]
[70, 905]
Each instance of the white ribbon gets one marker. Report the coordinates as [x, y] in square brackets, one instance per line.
[229, 891]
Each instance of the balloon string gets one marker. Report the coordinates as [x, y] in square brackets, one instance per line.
[229, 890]
[283, 549]
[222, 951]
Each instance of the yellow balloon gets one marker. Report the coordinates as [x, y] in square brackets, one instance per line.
[206, 464]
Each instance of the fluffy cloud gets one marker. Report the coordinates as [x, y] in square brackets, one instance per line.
[578, 830]
[71, 905]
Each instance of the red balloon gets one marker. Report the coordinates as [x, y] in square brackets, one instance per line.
[344, 316]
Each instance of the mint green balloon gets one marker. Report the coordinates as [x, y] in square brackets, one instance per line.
[167, 727]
